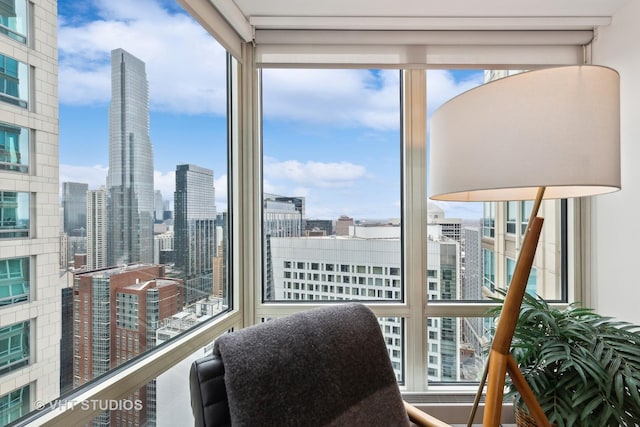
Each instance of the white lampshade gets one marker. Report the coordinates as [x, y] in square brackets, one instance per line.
[557, 128]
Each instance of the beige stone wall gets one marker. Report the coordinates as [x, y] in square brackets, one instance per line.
[42, 246]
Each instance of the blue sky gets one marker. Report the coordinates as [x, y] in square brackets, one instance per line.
[329, 135]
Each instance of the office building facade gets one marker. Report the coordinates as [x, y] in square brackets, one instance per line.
[29, 207]
[97, 229]
[194, 229]
[116, 313]
[130, 177]
[74, 201]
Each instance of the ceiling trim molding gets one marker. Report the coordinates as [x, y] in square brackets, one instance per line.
[234, 17]
[385, 38]
[215, 24]
[427, 23]
[415, 56]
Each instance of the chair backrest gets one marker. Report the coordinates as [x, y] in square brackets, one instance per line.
[208, 394]
[321, 367]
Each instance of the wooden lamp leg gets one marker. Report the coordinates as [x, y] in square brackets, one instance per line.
[500, 359]
[525, 392]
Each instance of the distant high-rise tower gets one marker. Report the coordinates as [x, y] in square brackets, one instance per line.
[96, 229]
[194, 229]
[158, 206]
[130, 178]
[74, 199]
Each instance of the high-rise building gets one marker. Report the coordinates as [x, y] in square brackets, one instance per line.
[194, 229]
[363, 266]
[29, 208]
[96, 229]
[74, 201]
[342, 225]
[282, 217]
[449, 227]
[116, 314]
[158, 206]
[163, 248]
[66, 340]
[221, 260]
[130, 177]
[443, 280]
[313, 226]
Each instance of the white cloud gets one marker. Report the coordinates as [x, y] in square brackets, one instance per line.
[95, 176]
[165, 182]
[341, 97]
[315, 174]
[185, 66]
[186, 71]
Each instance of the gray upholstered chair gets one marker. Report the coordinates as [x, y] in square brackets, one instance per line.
[322, 367]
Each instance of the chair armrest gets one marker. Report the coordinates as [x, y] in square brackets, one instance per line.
[422, 419]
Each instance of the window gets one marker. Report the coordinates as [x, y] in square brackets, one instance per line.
[14, 82]
[525, 213]
[489, 220]
[14, 347]
[179, 231]
[14, 19]
[343, 153]
[14, 148]
[14, 280]
[512, 211]
[14, 405]
[488, 273]
[14, 214]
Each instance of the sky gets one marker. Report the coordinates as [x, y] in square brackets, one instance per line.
[332, 136]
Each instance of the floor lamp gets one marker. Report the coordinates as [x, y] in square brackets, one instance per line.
[546, 134]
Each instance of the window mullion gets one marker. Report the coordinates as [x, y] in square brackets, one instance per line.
[246, 190]
[414, 130]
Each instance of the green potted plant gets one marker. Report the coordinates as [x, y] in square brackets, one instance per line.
[583, 368]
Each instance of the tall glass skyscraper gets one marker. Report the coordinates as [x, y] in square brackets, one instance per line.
[74, 204]
[130, 178]
[194, 229]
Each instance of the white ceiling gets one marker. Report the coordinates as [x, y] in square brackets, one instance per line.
[428, 8]
[247, 16]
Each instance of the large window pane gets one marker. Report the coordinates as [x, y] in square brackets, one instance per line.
[14, 347]
[472, 251]
[331, 212]
[14, 19]
[14, 82]
[14, 280]
[14, 148]
[13, 405]
[146, 214]
[14, 214]
[457, 348]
